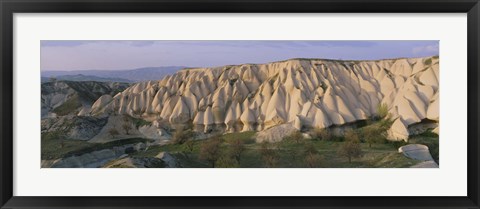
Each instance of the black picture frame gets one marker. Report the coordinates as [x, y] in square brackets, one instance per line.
[9, 7]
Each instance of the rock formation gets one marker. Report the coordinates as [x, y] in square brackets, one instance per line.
[60, 98]
[309, 93]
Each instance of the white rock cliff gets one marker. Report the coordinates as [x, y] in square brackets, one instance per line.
[312, 93]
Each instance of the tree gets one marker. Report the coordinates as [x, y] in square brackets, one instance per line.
[351, 147]
[227, 162]
[127, 127]
[269, 155]
[210, 150]
[188, 147]
[312, 158]
[270, 161]
[237, 147]
[62, 142]
[372, 136]
[113, 132]
[190, 144]
[351, 135]
[295, 136]
[321, 134]
[180, 136]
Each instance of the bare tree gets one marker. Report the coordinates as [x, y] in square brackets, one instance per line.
[181, 136]
[113, 132]
[127, 127]
[313, 160]
[210, 150]
[351, 147]
[62, 142]
[269, 155]
[227, 161]
[237, 148]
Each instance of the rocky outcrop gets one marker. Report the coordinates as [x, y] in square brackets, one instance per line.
[398, 131]
[136, 162]
[308, 93]
[100, 103]
[93, 159]
[60, 98]
[74, 127]
[162, 160]
[418, 152]
[169, 160]
[275, 134]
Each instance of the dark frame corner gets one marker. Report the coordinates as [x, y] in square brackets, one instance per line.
[9, 7]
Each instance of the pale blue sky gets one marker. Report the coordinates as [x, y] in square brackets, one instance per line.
[112, 55]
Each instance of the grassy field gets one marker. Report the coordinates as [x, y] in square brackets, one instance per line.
[289, 154]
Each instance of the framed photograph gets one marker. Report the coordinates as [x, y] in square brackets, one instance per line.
[237, 104]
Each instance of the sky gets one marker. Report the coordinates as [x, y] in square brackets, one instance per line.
[68, 55]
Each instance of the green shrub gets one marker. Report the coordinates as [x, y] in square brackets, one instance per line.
[308, 148]
[351, 135]
[227, 162]
[397, 144]
[372, 135]
[321, 134]
[382, 111]
[140, 122]
[428, 61]
[189, 145]
[313, 160]
[296, 136]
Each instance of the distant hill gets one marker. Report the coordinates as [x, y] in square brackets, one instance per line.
[132, 75]
[81, 77]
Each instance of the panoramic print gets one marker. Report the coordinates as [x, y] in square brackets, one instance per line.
[240, 104]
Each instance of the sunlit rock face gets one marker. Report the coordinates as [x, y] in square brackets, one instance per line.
[309, 93]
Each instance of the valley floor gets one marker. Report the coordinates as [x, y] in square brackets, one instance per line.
[284, 154]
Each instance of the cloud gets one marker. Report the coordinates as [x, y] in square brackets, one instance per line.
[426, 49]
